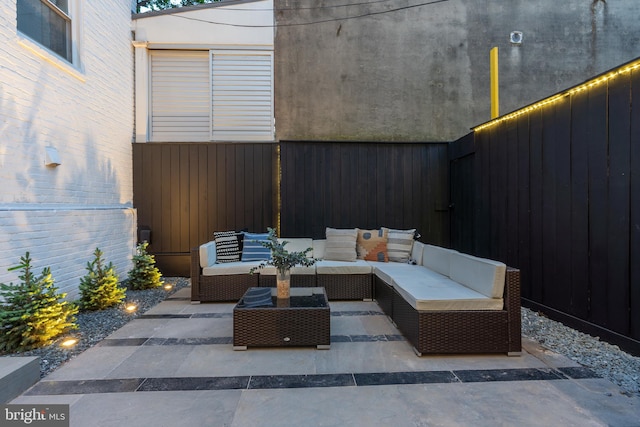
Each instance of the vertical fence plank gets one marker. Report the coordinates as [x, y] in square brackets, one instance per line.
[618, 204]
[483, 194]
[535, 205]
[183, 196]
[213, 217]
[579, 232]
[598, 195]
[512, 183]
[524, 205]
[171, 199]
[498, 189]
[564, 247]
[549, 247]
[634, 220]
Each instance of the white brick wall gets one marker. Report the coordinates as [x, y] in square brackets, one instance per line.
[62, 214]
[65, 240]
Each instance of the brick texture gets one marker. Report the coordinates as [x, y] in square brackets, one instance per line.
[85, 111]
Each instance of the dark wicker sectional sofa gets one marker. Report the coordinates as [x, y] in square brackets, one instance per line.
[430, 330]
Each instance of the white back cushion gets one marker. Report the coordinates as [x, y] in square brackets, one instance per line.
[298, 244]
[437, 259]
[318, 248]
[480, 274]
[416, 252]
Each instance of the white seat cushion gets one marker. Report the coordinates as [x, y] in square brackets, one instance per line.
[483, 275]
[343, 267]
[427, 290]
[270, 270]
[387, 270]
[236, 267]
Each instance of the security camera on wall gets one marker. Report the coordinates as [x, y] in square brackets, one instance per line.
[516, 38]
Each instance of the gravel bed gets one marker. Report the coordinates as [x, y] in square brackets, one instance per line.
[604, 359]
[93, 326]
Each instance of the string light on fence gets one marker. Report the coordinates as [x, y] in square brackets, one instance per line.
[562, 95]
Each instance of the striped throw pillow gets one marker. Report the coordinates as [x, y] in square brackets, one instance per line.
[341, 244]
[399, 244]
[257, 297]
[227, 247]
[252, 249]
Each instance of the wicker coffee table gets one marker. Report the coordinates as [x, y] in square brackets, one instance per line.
[304, 321]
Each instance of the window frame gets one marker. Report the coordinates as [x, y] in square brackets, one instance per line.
[71, 32]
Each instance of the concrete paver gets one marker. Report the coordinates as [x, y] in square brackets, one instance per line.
[198, 380]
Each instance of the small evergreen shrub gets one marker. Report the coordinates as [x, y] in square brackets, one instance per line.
[32, 313]
[100, 288]
[144, 274]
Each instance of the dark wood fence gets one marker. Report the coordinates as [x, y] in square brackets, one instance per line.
[556, 193]
[184, 192]
[365, 185]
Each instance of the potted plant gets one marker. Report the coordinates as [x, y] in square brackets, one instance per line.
[283, 261]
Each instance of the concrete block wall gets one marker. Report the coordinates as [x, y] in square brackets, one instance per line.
[85, 111]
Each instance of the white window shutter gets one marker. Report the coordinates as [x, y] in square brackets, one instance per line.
[180, 103]
[242, 96]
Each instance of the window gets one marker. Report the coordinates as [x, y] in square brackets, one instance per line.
[47, 22]
[242, 96]
[221, 95]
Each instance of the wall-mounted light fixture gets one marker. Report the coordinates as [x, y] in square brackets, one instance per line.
[51, 157]
[516, 38]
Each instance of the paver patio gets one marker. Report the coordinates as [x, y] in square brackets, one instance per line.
[175, 366]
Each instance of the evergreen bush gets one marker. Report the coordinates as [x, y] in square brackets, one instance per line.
[32, 313]
[144, 274]
[100, 288]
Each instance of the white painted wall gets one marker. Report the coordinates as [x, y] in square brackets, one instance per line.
[60, 215]
[225, 25]
[235, 23]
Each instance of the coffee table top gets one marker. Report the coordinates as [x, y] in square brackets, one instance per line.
[299, 298]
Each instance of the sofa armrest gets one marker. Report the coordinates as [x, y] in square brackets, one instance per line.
[512, 304]
[196, 271]
[207, 254]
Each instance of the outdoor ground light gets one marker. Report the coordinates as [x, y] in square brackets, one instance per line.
[168, 286]
[130, 307]
[69, 342]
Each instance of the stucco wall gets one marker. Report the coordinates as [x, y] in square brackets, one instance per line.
[85, 111]
[422, 73]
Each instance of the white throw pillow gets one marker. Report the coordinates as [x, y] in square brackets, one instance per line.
[399, 244]
[341, 244]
